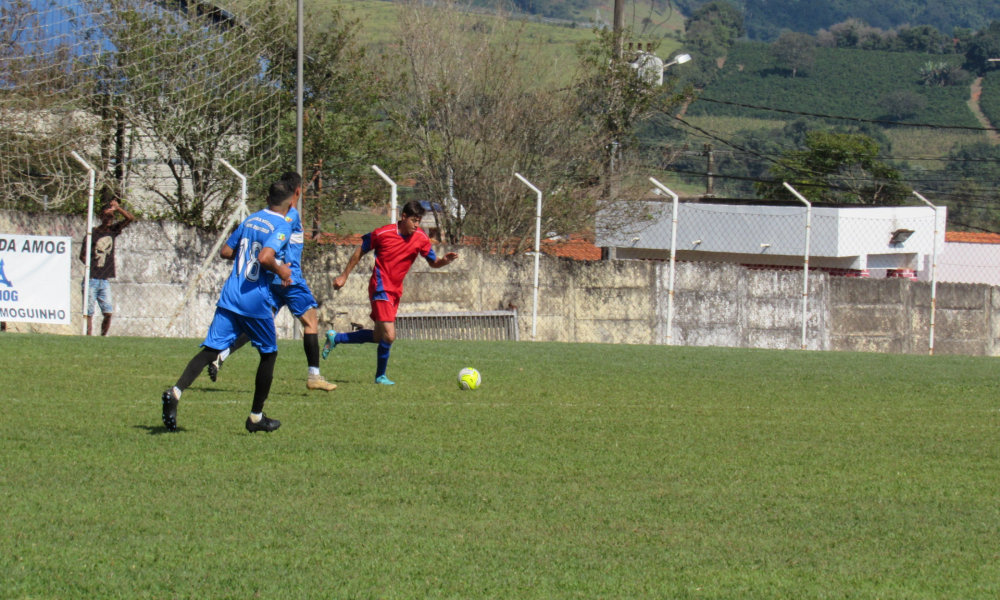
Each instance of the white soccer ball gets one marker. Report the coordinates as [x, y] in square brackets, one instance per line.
[469, 379]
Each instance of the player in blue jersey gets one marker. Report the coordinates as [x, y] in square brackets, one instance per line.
[258, 247]
[297, 297]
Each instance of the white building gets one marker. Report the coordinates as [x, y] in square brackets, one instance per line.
[968, 258]
[843, 240]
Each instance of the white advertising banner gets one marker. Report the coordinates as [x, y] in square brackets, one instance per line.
[35, 279]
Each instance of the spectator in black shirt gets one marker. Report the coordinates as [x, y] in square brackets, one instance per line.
[102, 261]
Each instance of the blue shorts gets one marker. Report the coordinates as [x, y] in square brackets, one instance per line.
[227, 326]
[99, 292]
[297, 297]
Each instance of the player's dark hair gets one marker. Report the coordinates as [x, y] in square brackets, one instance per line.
[279, 192]
[413, 208]
[293, 179]
[107, 196]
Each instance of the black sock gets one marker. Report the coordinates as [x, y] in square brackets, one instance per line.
[262, 385]
[311, 343]
[195, 367]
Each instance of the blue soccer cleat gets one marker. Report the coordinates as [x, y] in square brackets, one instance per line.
[383, 380]
[331, 343]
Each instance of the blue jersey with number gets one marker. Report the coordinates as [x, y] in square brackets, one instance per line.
[295, 243]
[247, 291]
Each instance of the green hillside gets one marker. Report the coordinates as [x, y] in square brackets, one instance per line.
[843, 82]
[556, 42]
[989, 102]
[765, 19]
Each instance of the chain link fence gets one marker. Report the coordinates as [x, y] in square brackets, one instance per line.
[737, 279]
[144, 92]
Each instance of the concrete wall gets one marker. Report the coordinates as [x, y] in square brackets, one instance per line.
[620, 301]
[154, 261]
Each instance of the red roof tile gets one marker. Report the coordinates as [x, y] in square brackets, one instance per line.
[965, 237]
[576, 248]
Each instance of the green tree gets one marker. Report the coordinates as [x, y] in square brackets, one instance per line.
[344, 129]
[796, 51]
[836, 167]
[708, 35]
[198, 91]
[984, 46]
[902, 104]
[477, 109]
[925, 38]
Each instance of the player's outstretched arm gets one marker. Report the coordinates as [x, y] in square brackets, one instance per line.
[267, 259]
[340, 281]
[447, 259]
[227, 253]
[129, 217]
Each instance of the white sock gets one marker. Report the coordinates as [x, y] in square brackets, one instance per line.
[224, 355]
[314, 370]
[177, 393]
[256, 417]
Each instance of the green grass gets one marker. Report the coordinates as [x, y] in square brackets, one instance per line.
[911, 141]
[576, 471]
[355, 221]
[729, 126]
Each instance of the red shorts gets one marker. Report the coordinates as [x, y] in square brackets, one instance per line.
[384, 308]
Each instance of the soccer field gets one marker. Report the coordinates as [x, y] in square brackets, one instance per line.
[590, 471]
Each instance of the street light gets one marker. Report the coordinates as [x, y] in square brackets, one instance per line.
[651, 67]
[680, 59]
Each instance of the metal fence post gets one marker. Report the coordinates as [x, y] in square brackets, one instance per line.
[392, 197]
[86, 241]
[805, 261]
[538, 241]
[934, 251]
[236, 218]
[673, 260]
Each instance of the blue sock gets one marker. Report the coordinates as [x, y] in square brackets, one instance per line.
[362, 336]
[382, 355]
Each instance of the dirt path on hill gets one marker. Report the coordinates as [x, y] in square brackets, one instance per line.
[977, 91]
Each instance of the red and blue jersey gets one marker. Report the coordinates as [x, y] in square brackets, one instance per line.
[394, 255]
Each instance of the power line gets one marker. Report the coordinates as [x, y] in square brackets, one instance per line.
[963, 197]
[732, 145]
[880, 157]
[794, 169]
[954, 222]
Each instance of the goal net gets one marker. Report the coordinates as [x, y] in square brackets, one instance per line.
[151, 93]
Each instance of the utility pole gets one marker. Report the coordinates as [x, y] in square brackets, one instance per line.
[299, 51]
[299, 56]
[317, 182]
[618, 26]
[619, 18]
[709, 179]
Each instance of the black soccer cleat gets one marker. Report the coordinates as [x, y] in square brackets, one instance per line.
[213, 369]
[264, 424]
[169, 410]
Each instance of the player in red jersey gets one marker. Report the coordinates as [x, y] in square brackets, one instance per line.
[396, 246]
